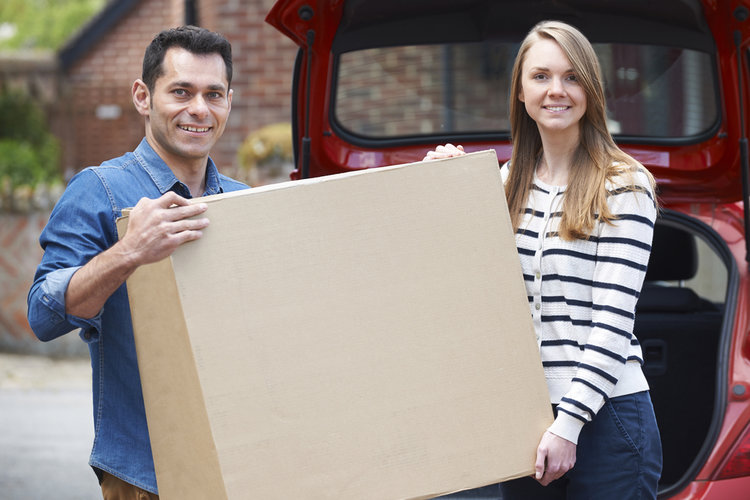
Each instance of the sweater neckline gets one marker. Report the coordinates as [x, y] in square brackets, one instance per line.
[548, 187]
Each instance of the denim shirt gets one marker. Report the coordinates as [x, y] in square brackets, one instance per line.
[82, 225]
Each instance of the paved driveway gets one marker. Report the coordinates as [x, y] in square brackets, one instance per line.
[46, 429]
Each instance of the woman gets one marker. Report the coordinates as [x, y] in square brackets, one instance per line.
[583, 212]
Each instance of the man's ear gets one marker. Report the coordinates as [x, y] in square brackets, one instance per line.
[141, 97]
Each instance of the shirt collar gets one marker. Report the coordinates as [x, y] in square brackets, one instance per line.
[165, 179]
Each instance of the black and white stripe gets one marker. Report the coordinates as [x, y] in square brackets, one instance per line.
[582, 293]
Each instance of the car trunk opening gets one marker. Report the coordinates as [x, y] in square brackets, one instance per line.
[681, 323]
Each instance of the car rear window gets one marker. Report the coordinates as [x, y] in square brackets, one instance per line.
[653, 92]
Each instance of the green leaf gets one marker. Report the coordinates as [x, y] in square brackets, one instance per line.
[29, 153]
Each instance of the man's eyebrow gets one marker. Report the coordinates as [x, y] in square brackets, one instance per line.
[190, 85]
[181, 84]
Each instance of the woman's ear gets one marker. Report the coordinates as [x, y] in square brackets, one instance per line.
[141, 97]
[520, 95]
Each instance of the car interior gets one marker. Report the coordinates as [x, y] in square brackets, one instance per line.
[679, 331]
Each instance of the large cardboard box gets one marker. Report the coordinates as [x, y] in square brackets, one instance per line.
[358, 336]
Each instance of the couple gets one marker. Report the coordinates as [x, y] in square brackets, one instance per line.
[582, 209]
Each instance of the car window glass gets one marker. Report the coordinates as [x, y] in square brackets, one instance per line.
[711, 278]
[652, 91]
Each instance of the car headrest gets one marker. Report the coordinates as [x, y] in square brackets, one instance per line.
[674, 255]
[668, 299]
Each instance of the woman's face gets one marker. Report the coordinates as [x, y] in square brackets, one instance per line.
[550, 90]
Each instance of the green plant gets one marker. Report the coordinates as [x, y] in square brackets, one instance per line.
[43, 24]
[266, 155]
[29, 153]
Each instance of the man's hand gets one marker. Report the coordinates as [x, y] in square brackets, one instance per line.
[447, 151]
[554, 457]
[155, 229]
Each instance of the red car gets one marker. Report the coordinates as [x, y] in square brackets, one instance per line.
[379, 82]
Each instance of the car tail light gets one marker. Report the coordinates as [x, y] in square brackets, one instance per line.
[738, 463]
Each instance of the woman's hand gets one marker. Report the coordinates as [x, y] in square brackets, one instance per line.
[447, 151]
[554, 457]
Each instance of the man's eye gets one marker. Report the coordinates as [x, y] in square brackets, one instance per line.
[180, 92]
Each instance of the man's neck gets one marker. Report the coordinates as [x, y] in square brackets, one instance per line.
[189, 171]
[193, 177]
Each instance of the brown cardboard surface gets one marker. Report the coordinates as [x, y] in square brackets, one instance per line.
[362, 335]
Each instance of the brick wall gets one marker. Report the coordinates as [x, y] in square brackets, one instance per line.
[19, 255]
[399, 91]
[100, 82]
[263, 65]
[102, 121]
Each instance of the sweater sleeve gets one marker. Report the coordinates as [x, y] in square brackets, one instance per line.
[622, 255]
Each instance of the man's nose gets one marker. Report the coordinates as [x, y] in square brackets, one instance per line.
[198, 106]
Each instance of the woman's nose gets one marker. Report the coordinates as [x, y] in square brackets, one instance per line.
[556, 87]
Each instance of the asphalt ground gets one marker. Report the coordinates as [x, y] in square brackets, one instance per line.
[46, 429]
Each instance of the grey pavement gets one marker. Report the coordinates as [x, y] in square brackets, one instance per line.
[46, 429]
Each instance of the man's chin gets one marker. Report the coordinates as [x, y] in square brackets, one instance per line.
[196, 151]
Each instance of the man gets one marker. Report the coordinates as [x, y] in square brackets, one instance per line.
[185, 97]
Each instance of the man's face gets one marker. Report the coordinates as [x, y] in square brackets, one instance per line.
[189, 106]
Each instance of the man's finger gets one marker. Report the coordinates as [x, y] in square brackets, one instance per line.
[189, 225]
[184, 212]
[171, 198]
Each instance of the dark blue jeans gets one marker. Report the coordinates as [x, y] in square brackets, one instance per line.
[618, 456]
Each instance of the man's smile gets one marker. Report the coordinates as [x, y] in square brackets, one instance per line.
[188, 128]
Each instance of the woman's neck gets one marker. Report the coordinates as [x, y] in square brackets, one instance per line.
[556, 159]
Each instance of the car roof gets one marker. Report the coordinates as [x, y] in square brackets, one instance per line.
[366, 24]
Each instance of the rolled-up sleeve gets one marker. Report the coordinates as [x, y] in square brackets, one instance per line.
[80, 227]
[46, 309]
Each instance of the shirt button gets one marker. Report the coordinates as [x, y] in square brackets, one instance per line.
[538, 275]
[537, 306]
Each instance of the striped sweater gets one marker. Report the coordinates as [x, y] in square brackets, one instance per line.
[582, 295]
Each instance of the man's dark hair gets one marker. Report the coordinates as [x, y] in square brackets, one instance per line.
[191, 38]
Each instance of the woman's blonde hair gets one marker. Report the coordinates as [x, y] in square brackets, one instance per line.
[596, 159]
